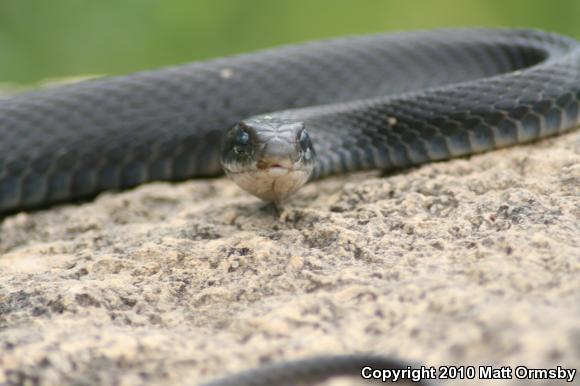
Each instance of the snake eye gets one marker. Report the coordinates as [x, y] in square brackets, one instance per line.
[304, 140]
[242, 137]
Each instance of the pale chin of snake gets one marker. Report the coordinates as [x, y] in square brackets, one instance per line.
[273, 184]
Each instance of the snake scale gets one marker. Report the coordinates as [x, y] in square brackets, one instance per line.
[280, 117]
[378, 101]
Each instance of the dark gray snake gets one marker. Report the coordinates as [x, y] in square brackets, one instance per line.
[369, 102]
[389, 101]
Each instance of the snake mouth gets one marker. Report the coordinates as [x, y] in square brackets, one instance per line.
[275, 166]
[275, 169]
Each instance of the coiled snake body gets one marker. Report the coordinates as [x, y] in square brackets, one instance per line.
[382, 101]
[379, 101]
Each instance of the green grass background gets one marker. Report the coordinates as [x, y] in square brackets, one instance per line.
[42, 39]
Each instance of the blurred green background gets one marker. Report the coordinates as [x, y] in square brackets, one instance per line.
[42, 39]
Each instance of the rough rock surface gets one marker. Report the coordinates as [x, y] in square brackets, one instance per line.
[474, 261]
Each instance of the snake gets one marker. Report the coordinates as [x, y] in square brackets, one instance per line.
[276, 119]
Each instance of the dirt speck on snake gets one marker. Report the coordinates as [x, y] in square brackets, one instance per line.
[474, 261]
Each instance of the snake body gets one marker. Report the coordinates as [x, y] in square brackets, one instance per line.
[316, 369]
[378, 101]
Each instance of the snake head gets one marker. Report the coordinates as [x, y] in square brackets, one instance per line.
[268, 157]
